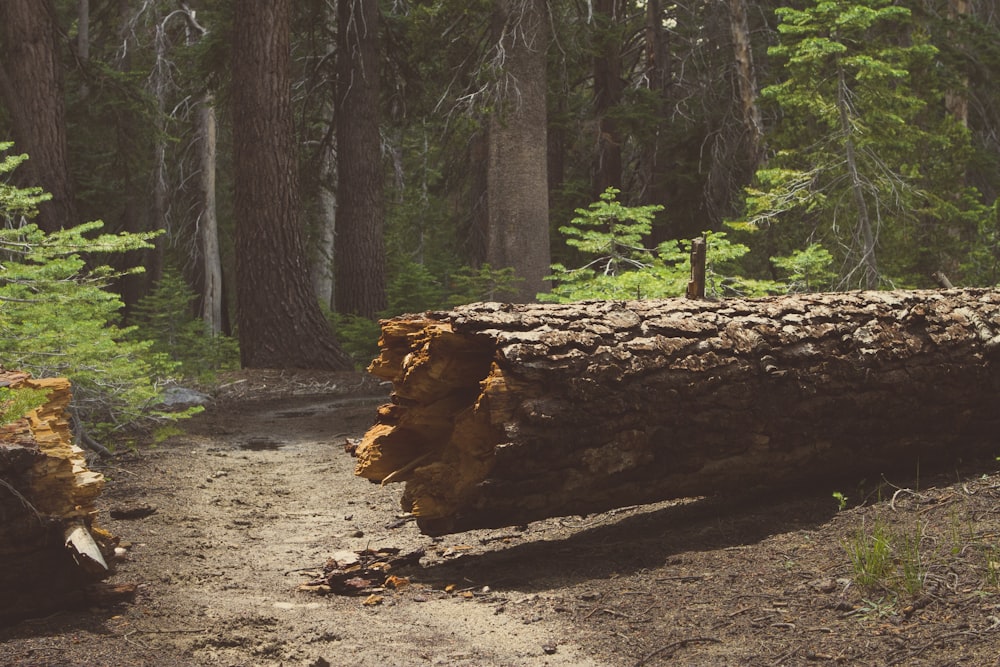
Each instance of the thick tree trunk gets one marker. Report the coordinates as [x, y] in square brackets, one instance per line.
[502, 414]
[360, 248]
[279, 319]
[32, 92]
[49, 547]
[517, 197]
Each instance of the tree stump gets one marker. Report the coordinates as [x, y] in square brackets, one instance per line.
[504, 413]
[50, 549]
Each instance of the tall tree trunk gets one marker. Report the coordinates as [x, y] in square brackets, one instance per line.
[136, 215]
[83, 39]
[207, 222]
[956, 100]
[608, 89]
[517, 182]
[476, 237]
[208, 227]
[746, 78]
[32, 90]
[279, 319]
[160, 81]
[323, 270]
[360, 251]
[654, 160]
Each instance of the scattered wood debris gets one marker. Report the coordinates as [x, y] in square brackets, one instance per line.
[367, 572]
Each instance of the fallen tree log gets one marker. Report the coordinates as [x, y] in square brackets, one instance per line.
[51, 552]
[504, 413]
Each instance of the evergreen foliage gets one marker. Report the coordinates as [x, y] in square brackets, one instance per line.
[16, 403]
[58, 316]
[610, 236]
[861, 115]
[180, 343]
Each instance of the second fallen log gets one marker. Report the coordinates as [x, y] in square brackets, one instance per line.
[507, 413]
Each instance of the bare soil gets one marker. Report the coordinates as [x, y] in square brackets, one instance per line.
[223, 524]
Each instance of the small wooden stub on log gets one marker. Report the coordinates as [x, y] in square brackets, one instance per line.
[504, 413]
[51, 552]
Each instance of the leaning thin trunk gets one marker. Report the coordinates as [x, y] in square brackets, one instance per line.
[746, 77]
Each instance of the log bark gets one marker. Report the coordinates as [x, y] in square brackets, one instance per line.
[504, 413]
[51, 551]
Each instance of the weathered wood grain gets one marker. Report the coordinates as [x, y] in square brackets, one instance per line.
[518, 412]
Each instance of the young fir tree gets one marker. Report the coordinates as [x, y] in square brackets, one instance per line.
[57, 317]
[609, 235]
[850, 165]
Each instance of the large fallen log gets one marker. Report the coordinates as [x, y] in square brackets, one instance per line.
[502, 414]
[50, 548]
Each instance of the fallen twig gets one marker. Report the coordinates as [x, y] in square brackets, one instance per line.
[674, 645]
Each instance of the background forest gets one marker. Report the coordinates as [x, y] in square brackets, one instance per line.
[280, 168]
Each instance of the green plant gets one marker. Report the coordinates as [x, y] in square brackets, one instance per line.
[358, 336]
[859, 112]
[881, 560]
[486, 283]
[180, 342]
[412, 288]
[16, 403]
[808, 270]
[910, 563]
[881, 608]
[841, 500]
[870, 552]
[619, 266]
[57, 317]
[991, 554]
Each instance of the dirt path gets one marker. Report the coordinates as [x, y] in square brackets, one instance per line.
[246, 503]
[258, 493]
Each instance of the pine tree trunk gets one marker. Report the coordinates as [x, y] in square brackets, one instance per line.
[280, 321]
[32, 91]
[517, 183]
[503, 414]
[746, 77]
[360, 247]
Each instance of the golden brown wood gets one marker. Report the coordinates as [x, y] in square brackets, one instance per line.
[49, 546]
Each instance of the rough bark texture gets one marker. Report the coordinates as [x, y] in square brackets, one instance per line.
[360, 247]
[516, 191]
[31, 88]
[280, 322]
[503, 414]
[46, 493]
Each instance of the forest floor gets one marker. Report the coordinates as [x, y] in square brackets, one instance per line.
[224, 523]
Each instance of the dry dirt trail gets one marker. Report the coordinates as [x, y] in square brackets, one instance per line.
[256, 493]
[225, 521]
